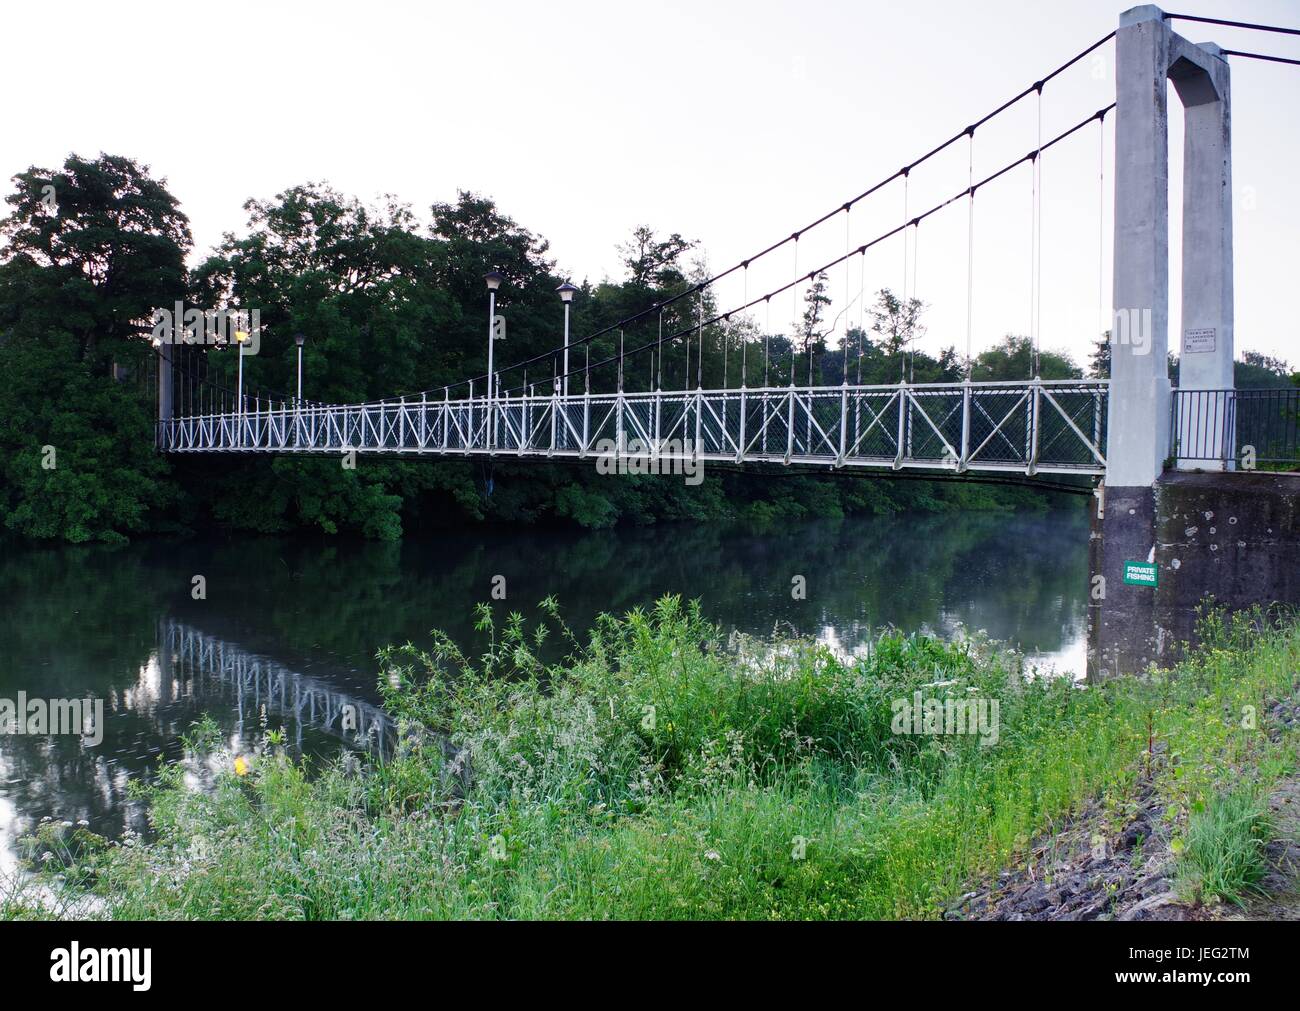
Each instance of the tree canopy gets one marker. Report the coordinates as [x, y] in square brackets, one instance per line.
[392, 304]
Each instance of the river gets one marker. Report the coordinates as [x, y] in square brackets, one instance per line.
[285, 631]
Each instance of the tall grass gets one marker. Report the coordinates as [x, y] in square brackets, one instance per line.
[659, 772]
[1223, 855]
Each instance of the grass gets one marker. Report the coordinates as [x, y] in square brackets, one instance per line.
[659, 772]
[1222, 857]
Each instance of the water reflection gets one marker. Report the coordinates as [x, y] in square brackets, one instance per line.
[266, 693]
[289, 628]
[187, 674]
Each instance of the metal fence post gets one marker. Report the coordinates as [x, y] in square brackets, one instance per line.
[902, 424]
[1033, 421]
[965, 426]
[844, 423]
[740, 445]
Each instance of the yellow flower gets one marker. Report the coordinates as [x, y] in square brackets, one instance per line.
[241, 766]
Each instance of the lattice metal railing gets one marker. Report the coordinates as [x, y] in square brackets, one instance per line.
[1047, 427]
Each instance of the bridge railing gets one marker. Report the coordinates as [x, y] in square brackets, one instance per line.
[1241, 427]
[1055, 427]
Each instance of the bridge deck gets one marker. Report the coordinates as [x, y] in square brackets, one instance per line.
[1047, 427]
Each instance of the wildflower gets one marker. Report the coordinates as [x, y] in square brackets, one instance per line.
[712, 855]
[241, 766]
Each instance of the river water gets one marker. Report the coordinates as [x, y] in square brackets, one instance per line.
[286, 632]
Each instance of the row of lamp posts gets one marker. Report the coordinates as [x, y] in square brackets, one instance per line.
[493, 278]
[241, 338]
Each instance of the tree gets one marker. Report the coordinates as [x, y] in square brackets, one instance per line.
[77, 458]
[1099, 360]
[1260, 371]
[92, 250]
[98, 244]
[652, 262]
[379, 305]
[1013, 359]
[882, 361]
[354, 279]
[651, 290]
[472, 237]
[811, 336]
[897, 322]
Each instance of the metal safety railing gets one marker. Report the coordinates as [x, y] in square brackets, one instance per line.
[1244, 427]
[1049, 427]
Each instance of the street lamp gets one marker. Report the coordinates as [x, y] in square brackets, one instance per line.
[240, 337]
[493, 279]
[299, 339]
[565, 291]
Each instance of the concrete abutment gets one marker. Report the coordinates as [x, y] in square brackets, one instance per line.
[1232, 536]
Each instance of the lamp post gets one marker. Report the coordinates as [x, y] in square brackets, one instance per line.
[299, 339]
[493, 279]
[240, 337]
[565, 291]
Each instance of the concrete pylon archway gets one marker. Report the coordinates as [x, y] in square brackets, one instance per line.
[1147, 54]
[1132, 624]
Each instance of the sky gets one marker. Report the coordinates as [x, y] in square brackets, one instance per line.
[733, 123]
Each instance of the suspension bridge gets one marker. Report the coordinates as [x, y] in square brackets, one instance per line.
[1126, 434]
[1030, 427]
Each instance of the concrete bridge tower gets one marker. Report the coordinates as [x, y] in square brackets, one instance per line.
[1162, 536]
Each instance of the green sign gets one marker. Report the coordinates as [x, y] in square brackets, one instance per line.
[1140, 573]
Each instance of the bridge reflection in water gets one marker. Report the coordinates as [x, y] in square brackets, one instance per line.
[211, 664]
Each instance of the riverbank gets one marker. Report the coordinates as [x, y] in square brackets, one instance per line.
[660, 772]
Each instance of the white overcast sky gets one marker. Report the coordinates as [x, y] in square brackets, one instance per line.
[732, 122]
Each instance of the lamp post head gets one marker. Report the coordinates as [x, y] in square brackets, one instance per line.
[493, 279]
[300, 338]
[241, 336]
[566, 292]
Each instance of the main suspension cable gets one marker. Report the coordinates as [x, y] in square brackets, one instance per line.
[1232, 24]
[1035, 88]
[884, 236]
[1261, 56]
